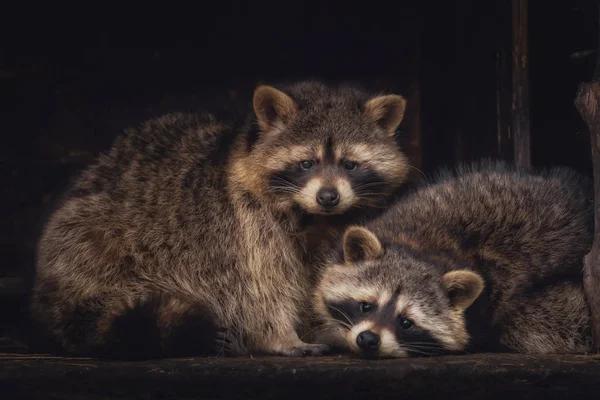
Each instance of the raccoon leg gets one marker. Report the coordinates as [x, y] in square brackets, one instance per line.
[301, 349]
[262, 339]
[96, 326]
[125, 329]
[269, 334]
[160, 326]
[555, 319]
[334, 338]
[293, 346]
[188, 329]
[223, 344]
[128, 331]
[278, 333]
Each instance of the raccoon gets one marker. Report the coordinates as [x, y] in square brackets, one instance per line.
[488, 258]
[187, 237]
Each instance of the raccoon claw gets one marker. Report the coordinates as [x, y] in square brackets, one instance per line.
[222, 344]
[316, 350]
[306, 349]
[222, 347]
[222, 333]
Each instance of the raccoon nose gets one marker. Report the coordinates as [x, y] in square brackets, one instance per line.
[328, 197]
[368, 341]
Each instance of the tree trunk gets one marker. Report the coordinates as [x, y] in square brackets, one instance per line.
[587, 102]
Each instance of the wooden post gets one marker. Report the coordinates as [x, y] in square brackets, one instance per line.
[504, 48]
[520, 86]
[587, 102]
[415, 135]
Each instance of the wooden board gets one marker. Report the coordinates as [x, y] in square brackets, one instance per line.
[488, 376]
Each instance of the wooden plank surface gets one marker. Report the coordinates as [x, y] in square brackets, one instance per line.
[486, 376]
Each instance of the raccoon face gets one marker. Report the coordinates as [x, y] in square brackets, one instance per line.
[327, 151]
[385, 302]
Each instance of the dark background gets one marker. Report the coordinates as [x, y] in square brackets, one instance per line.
[70, 80]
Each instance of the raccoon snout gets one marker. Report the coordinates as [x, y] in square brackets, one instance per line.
[368, 341]
[328, 197]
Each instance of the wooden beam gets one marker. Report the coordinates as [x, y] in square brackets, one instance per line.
[477, 376]
[520, 126]
[503, 35]
[587, 102]
[414, 96]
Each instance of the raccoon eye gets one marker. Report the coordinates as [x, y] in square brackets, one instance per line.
[406, 323]
[350, 165]
[306, 164]
[366, 307]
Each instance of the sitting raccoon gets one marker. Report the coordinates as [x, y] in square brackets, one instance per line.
[487, 259]
[187, 237]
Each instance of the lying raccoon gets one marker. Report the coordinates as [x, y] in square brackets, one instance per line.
[489, 259]
[188, 236]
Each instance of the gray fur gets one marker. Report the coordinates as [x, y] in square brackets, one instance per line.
[525, 233]
[177, 224]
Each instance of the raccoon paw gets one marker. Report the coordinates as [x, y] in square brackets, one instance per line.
[305, 349]
[222, 344]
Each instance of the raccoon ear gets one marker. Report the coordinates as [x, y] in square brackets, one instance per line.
[387, 111]
[360, 244]
[272, 107]
[463, 287]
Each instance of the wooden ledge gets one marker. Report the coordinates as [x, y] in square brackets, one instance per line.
[481, 376]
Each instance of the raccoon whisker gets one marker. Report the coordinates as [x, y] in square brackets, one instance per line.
[379, 207]
[344, 315]
[319, 328]
[332, 321]
[286, 183]
[365, 194]
[337, 323]
[426, 344]
[281, 179]
[358, 206]
[361, 193]
[369, 184]
[285, 187]
[417, 169]
[376, 206]
[415, 350]
[428, 350]
[377, 201]
[286, 190]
